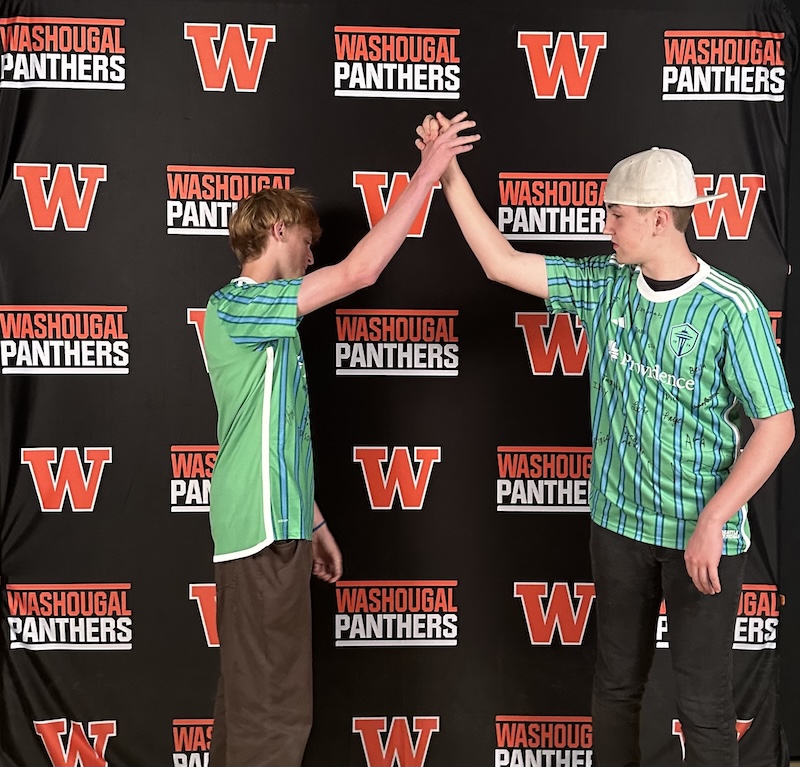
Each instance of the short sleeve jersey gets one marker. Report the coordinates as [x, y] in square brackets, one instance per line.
[667, 372]
[262, 487]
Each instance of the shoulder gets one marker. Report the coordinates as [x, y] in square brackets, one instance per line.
[240, 294]
[597, 264]
[731, 295]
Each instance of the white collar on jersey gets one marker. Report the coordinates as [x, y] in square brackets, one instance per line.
[239, 281]
[662, 296]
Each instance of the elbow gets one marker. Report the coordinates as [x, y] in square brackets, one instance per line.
[494, 273]
[788, 428]
[362, 276]
[367, 278]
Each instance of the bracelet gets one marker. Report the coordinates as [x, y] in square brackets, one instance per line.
[314, 529]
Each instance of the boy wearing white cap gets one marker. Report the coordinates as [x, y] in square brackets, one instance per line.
[678, 349]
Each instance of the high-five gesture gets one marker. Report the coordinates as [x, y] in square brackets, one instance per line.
[440, 141]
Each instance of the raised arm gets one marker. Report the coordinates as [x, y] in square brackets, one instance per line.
[501, 262]
[369, 258]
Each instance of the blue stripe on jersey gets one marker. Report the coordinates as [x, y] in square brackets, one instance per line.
[703, 342]
[738, 373]
[298, 375]
[762, 379]
[284, 507]
[637, 492]
[602, 475]
[255, 320]
[237, 298]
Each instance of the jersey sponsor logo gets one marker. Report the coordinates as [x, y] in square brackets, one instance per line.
[565, 342]
[70, 478]
[201, 198]
[563, 64]
[543, 740]
[387, 745]
[733, 211]
[552, 206]
[191, 740]
[69, 616]
[51, 52]
[54, 340]
[376, 204]
[217, 61]
[742, 726]
[682, 339]
[396, 62]
[396, 342]
[561, 609]
[723, 65]
[541, 479]
[64, 198]
[396, 614]
[400, 479]
[68, 744]
[757, 619]
[205, 595]
[647, 371]
[190, 486]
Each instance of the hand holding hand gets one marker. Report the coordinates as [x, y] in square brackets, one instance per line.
[440, 142]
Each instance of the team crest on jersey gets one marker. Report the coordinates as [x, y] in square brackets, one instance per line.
[682, 339]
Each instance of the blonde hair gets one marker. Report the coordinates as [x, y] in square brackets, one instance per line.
[250, 223]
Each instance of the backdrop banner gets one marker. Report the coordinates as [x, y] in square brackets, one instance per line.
[450, 414]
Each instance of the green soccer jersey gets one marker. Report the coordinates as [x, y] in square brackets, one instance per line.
[668, 371]
[262, 488]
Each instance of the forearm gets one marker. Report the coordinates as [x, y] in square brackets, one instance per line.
[501, 262]
[761, 455]
[372, 254]
[483, 237]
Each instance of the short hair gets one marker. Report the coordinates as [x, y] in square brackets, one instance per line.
[680, 216]
[250, 223]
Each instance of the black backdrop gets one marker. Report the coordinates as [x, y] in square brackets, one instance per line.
[476, 647]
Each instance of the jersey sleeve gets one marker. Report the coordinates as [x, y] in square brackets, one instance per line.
[753, 367]
[573, 284]
[256, 313]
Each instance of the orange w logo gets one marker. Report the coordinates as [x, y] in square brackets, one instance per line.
[400, 479]
[565, 65]
[233, 57]
[398, 748]
[372, 182]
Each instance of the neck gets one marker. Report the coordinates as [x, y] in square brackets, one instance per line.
[262, 269]
[677, 263]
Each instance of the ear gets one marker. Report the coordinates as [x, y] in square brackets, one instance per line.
[278, 230]
[662, 219]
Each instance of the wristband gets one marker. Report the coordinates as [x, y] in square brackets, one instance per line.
[314, 529]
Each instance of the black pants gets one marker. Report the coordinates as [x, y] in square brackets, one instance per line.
[262, 714]
[630, 580]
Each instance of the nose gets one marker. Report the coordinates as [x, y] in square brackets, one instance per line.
[310, 257]
[607, 229]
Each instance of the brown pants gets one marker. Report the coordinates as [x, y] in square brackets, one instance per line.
[262, 714]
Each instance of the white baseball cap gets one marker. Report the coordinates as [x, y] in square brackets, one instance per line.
[652, 178]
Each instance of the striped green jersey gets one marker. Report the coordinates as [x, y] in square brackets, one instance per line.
[669, 373]
[262, 488]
